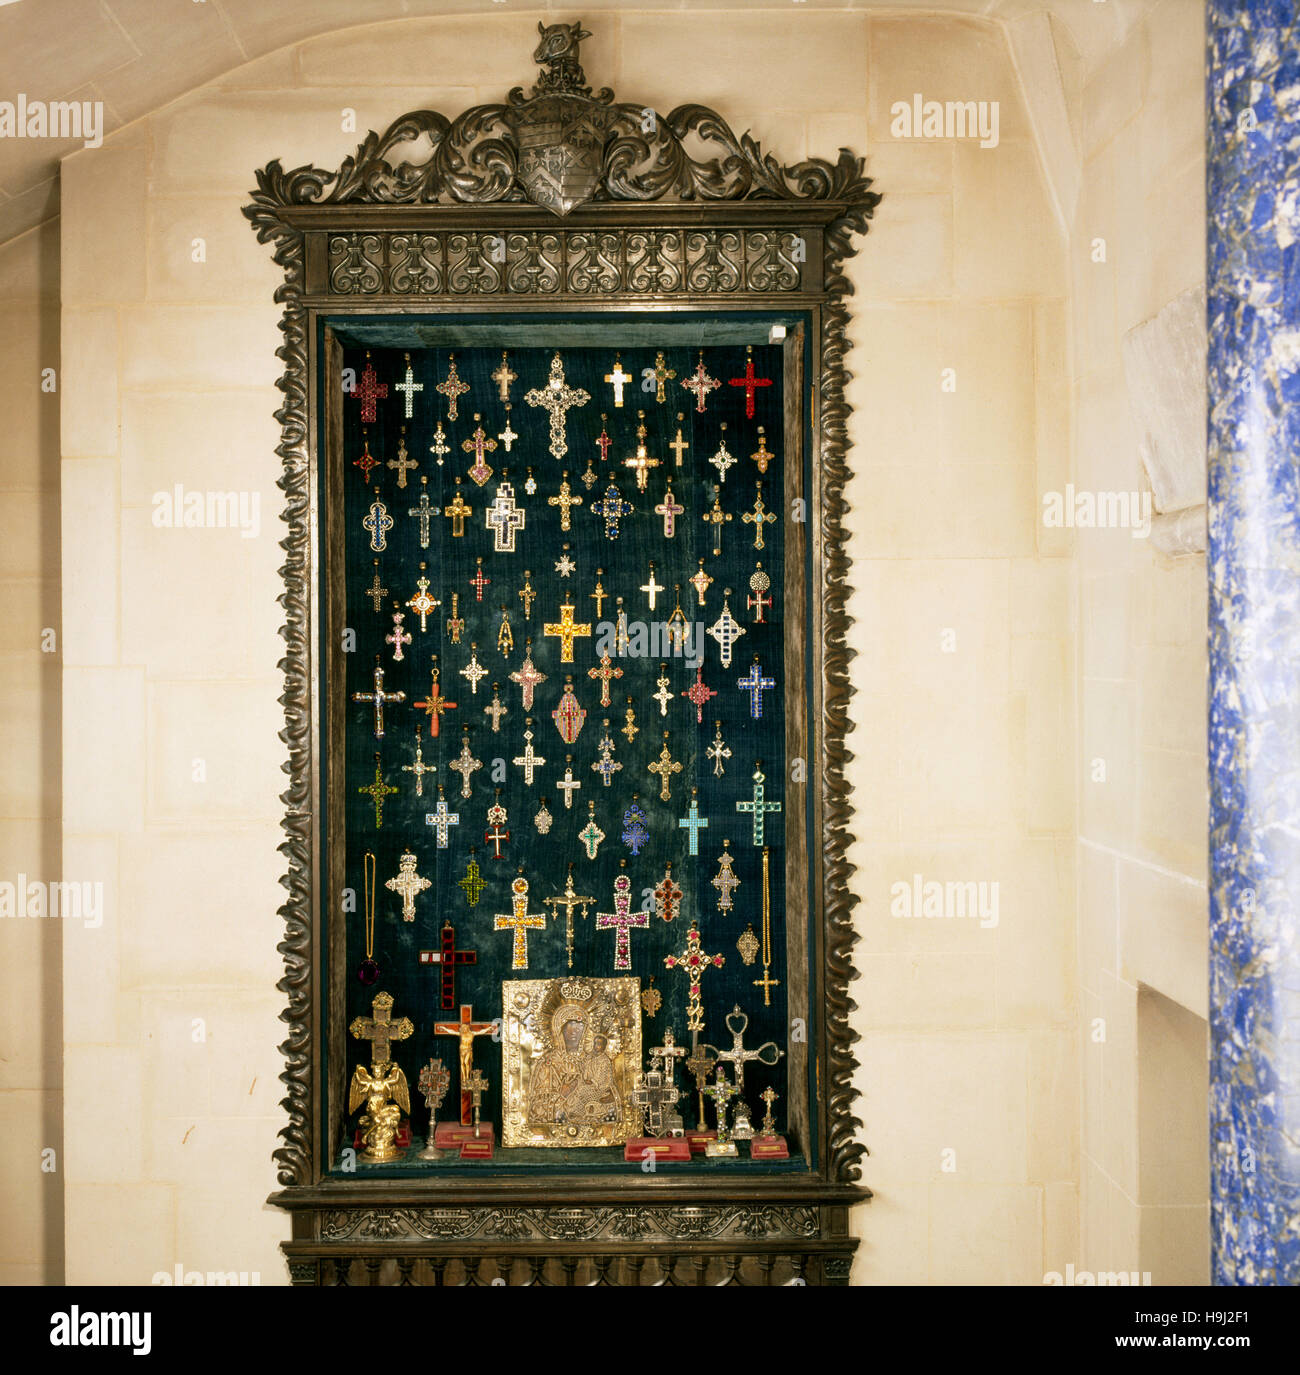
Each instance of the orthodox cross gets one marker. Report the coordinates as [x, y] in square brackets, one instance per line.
[527, 595]
[758, 806]
[669, 509]
[456, 512]
[568, 900]
[665, 766]
[435, 703]
[591, 835]
[503, 377]
[764, 455]
[507, 436]
[605, 672]
[698, 694]
[570, 715]
[724, 458]
[635, 833]
[473, 671]
[530, 760]
[694, 823]
[465, 1030]
[564, 501]
[419, 768]
[520, 921]
[606, 766]
[754, 683]
[440, 448]
[700, 384]
[679, 445]
[750, 383]
[654, 1098]
[611, 508]
[641, 462]
[694, 961]
[663, 696]
[404, 463]
[760, 582]
[759, 517]
[465, 764]
[726, 630]
[398, 637]
[504, 519]
[422, 604]
[370, 391]
[722, 1093]
[455, 622]
[441, 819]
[434, 1082]
[700, 582]
[473, 882]
[652, 588]
[725, 880]
[621, 921]
[479, 444]
[527, 676]
[718, 751]
[452, 388]
[568, 783]
[375, 591]
[367, 462]
[496, 819]
[767, 1054]
[478, 582]
[556, 398]
[377, 791]
[700, 1063]
[408, 883]
[422, 512]
[668, 1053]
[661, 373]
[618, 379]
[379, 698]
[667, 895]
[497, 709]
[380, 1029]
[478, 1086]
[717, 518]
[599, 595]
[566, 629]
[378, 522]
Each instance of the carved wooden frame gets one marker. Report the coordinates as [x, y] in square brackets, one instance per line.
[649, 226]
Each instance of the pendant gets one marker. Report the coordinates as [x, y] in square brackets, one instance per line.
[368, 972]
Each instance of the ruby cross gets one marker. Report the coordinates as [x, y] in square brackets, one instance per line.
[370, 390]
[694, 961]
[750, 383]
[621, 920]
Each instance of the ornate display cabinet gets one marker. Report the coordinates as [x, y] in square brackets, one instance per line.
[615, 287]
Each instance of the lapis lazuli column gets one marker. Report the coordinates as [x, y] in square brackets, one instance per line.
[1253, 270]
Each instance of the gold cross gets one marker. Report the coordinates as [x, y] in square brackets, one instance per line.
[402, 462]
[520, 921]
[665, 767]
[662, 373]
[457, 512]
[503, 378]
[619, 379]
[641, 462]
[556, 397]
[380, 1029]
[564, 501]
[453, 388]
[679, 445]
[566, 629]
[759, 517]
[569, 900]
[716, 517]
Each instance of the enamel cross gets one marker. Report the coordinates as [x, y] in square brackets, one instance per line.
[473, 883]
[701, 582]
[694, 962]
[520, 921]
[367, 462]
[455, 622]
[494, 834]
[422, 604]
[378, 522]
[763, 455]
[570, 715]
[758, 517]
[725, 880]
[750, 383]
[665, 766]
[661, 373]
[591, 835]
[698, 695]
[452, 388]
[398, 637]
[435, 704]
[378, 698]
[473, 671]
[604, 673]
[478, 582]
[440, 819]
[635, 833]
[447, 958]
[724, 458]
[760, 582]
[618, 379]
[556, 398]
[694, 823]
[621, 921]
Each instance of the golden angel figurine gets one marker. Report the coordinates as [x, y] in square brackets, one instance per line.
[381, 1119]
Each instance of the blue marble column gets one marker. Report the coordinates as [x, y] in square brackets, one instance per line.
[1253, 270]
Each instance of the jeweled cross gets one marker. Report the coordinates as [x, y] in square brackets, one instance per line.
[378, 522]
[606, 766]
[738, 1057]
[496, 837]
[568, 783]
[504, 519]
[452, 388]
[724, 458]
[378, 698]
[422, 604]
[507, 436]
[698, 694]
[668, 896]
[496, 709]
[440, 448]
[366, 461]
[759, 806]
[635, 832]
[700, 1063]
[759, 517]
[669, 509]
[407, 883]
[557, 398]
[398, 637]
[380, 1029]
[604, 673]
[663, 696]
[754, 683]
[718, 751]
[700, 384]
[441, 819]
[641, 462]
[665, 766]
[621, 921]
[465, 1030]
[750, 383]
[602, 442]
[763, 456]
[520, 921]
[668, 1054]
[527, 676]
[652, 588]
[423, 512]
[404, 463]
[503, 377]
[618, 379]
[725, 880]
[447, 957]
[478, 582]
[661, 373]
[726, 630]
[700, 582]
[591, 835]
[456, 512]
[611, 508]
[455, 622]
[409, 386]
[564, 501]
[375, 591]
[717, 518]
[694, 961]
[722, 1092]
[694, 823]
[479, 444]
[368, 392]
[419, 768]
[530, 761]
[473, 882]
[760, 582]
[679, 445]
[377, 790]
[434, 704]
[568, 900]
[566, 629]
[466, 765]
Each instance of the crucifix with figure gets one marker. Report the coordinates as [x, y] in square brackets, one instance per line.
[465, 1030]
[568, 900]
